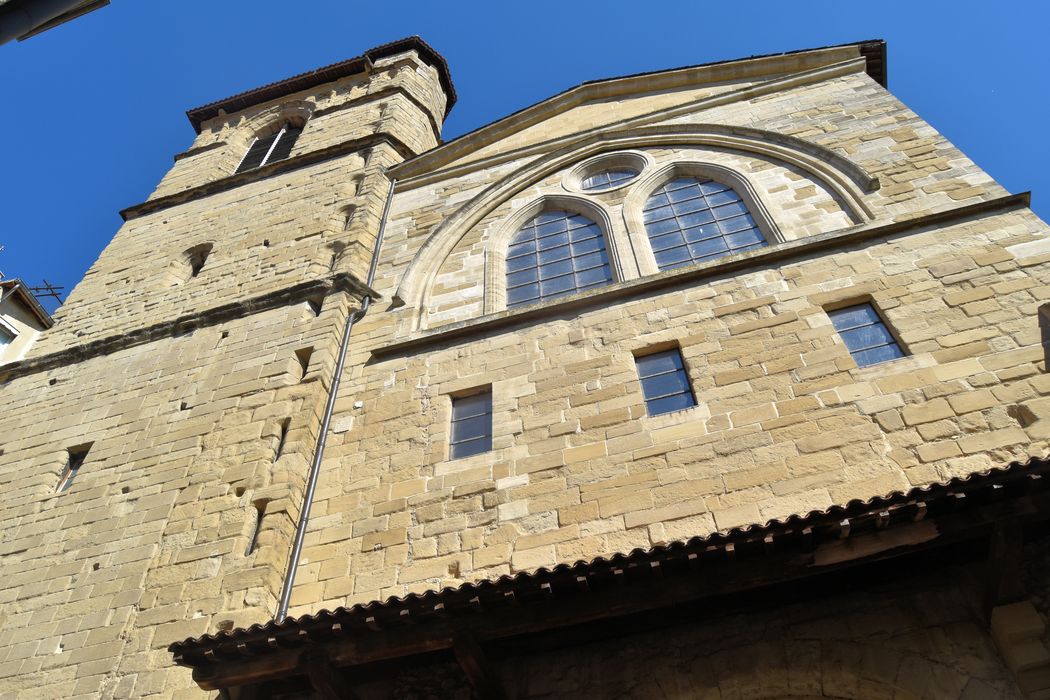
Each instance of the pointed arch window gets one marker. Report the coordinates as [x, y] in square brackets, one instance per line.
[691, 220]
[270, 149]
[555, 254]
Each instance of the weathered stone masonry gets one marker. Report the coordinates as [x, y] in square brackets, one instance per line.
[183, 385]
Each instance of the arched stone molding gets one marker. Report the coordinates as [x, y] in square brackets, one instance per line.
[644, 188]
[847, 181]
[499, 236]
[263, 124]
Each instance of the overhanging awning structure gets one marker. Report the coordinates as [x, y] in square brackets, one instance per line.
[984, 515]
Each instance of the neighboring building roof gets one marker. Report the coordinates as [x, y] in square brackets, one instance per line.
[33, 12]
[17, 287]
[327, 74]
[940, 514]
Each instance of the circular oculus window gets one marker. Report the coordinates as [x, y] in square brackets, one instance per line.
[606, 172]
[608, 179]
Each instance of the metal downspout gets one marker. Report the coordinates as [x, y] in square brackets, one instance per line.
[322, 437]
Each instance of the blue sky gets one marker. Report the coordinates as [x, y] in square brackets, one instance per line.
[96, 108]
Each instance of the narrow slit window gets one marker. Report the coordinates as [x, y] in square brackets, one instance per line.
[865, 334]
[285, 424]
[665, 383]
[74, 461]
[471, 425]
[303, 356]
[270, 149]
[253, 540]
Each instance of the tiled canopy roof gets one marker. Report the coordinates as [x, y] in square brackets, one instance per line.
[796, 533]
[327, 74]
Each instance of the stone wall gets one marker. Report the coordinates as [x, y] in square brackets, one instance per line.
[149, 544]
[785, 422]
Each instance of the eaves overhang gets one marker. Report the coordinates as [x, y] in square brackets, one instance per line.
[326, 74]
[860, 532]
[18, 287]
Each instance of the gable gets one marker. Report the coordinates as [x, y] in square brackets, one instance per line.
[620, 101]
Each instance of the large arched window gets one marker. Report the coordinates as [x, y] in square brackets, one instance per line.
[692, 220]
[554, 254]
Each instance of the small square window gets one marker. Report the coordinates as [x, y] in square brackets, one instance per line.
[6, 337]
[471, 425]
[665, 383]
[866, 335]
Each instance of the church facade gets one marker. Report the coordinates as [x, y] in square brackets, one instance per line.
[726, 381]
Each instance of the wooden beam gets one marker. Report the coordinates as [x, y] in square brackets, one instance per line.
[476, 667]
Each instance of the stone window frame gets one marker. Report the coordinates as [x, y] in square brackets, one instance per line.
[845, 301]
[280, 137]
[454, 399]
[505, 423]
[645, 187]
[669, 339]
[638, 161]
[187, 265]
[866, 293]
[881, 321]
[263, 124]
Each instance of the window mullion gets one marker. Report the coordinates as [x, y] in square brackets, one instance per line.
[273, 145]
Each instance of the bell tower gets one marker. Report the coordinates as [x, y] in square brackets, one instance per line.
[177, 400]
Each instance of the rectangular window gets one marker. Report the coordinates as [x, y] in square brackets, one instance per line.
[6, 337]
[471, 425]
[665, 383]
[75, 460]
[865, 334]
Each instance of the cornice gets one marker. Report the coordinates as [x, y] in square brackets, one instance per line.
[280, 167]
[342, 282]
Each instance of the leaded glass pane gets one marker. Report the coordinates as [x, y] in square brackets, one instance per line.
[866, 336]
[471, 425]
[665, 384]
[690, 220]
[608, 179]
[569, 256]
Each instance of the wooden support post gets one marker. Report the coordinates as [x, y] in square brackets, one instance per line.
[330, 682]
[476, 667]
[1003, 576]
